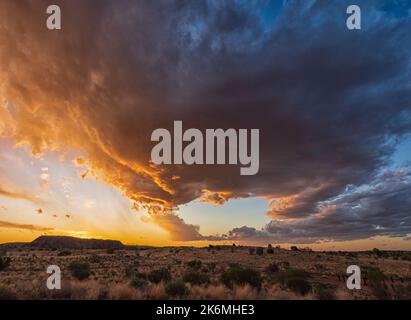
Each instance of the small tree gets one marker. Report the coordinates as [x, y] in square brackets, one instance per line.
[270, 249]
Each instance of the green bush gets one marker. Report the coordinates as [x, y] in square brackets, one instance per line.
[299, 286]
[194, 264]
[324, 292]
[139, 283]
[110, 251]
[195, 277]
[176, 289]
[4, 261]
[293, 279]
[158, 275]
[79, 270]
[376, 281]
[237, 275]
[211, 266]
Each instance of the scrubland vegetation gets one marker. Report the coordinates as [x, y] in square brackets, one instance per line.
[215, 272]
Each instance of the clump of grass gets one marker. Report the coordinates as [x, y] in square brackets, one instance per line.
[110, 251]
[259, 251]
[158, 275]
[237, 275]
[251, 250]
[139, 283]
[80, 270]
[176, 288]
[195, 277]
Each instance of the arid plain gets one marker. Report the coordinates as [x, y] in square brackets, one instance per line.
[114, 271]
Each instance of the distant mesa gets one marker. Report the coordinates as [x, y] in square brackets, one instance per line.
[64, 242]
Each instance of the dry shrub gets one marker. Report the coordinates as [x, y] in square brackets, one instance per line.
[211, 292]
[275, 292]
[343, 294]
[90, 290]
[156, 292]
[245, 292]
[122, 291]
[70, 290]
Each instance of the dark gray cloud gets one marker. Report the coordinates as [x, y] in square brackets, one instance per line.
[380, 208]
[331, 104]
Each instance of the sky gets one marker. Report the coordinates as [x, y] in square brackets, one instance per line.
[333, 106]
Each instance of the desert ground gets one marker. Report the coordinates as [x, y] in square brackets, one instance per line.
[214, 272]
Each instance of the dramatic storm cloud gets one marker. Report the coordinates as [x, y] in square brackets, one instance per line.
[381, 208]
[331, 104]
